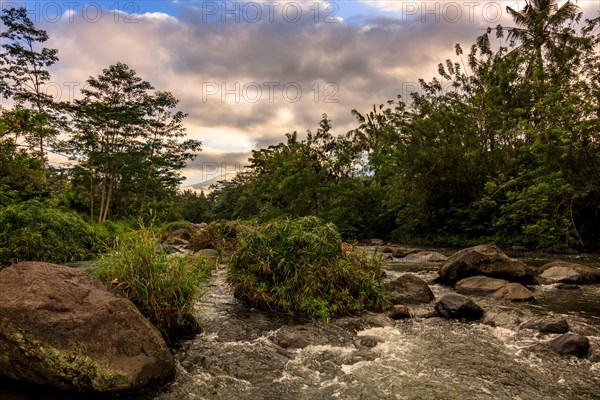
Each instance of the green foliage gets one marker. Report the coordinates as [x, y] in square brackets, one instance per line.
[163, 287]
[34, 231]
[221, 236]
[301, 266]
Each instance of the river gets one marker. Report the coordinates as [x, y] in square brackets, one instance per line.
[245, 353]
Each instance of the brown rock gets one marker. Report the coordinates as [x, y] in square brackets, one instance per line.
[566, 272]
[513, 292]
[408, 289]
[484, 260]
[399, 312]
[479, 285]
[62, 328]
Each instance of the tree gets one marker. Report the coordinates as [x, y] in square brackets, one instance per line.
[537, 31]
[24, 74]
[126, 140]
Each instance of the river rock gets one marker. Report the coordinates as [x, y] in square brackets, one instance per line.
[208, 254]
[455, 306]
[62, 328]
[566, 272]
[426, 256]
[408, 289]
[375, 242]
[555, 324]
[484, 260]
[398, 311]
[571, 344]
[401, 252]
[479, 285]
[513, 292]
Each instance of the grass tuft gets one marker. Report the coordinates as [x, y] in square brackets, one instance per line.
[163, 287]
[301, 266]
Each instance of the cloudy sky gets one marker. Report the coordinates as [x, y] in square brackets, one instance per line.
[247, 72]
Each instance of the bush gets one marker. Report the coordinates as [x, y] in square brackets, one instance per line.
[162, 287]
[34, 231]
[301, 267]
[221, 236]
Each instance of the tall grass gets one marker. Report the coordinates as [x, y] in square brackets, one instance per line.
[35, 231]
[163, 287]
[301, 267]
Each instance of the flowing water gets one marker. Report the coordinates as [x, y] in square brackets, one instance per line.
[245, 353]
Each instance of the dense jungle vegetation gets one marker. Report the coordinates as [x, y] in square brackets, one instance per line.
[503, 146]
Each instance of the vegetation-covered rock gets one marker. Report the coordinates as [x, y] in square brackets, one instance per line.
[302, 267]
[62, 328]
[162, 286]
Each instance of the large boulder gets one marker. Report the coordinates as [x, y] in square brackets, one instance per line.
[484, 260]
[566, 272]
[571, 344]
[408, 289]
[479, 285]
[455, 306]
[62, 328]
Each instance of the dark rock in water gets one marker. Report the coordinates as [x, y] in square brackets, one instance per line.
[548, 325]
[568, 286]
[398, 311]
[455, 306]
[562, 249]
[62, 328]
[408, 289]
[479, 285]
[513, 292]
[566, 272]
[485, 260]
[387, 250]
[571, 344]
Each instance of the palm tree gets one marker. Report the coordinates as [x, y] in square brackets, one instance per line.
[537, 28]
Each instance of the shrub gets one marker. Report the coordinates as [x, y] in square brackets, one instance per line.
[163, 287]
[300, 267]
[221, 236]
[34, 231]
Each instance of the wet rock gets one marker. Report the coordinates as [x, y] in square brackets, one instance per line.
[208, 254]
[562, 249]
[568, 286]
[479, 285]
[455, 306]
[513, 292]
[408, 289]
[62, 328]
[367, 341]
[387, 250]
[402, 252]
[555, 324]
[566, 272]
[484, 260]
[571, 344]
[426, 256]
[398, 311]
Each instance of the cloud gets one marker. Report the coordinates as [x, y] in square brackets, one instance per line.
[245, 80]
